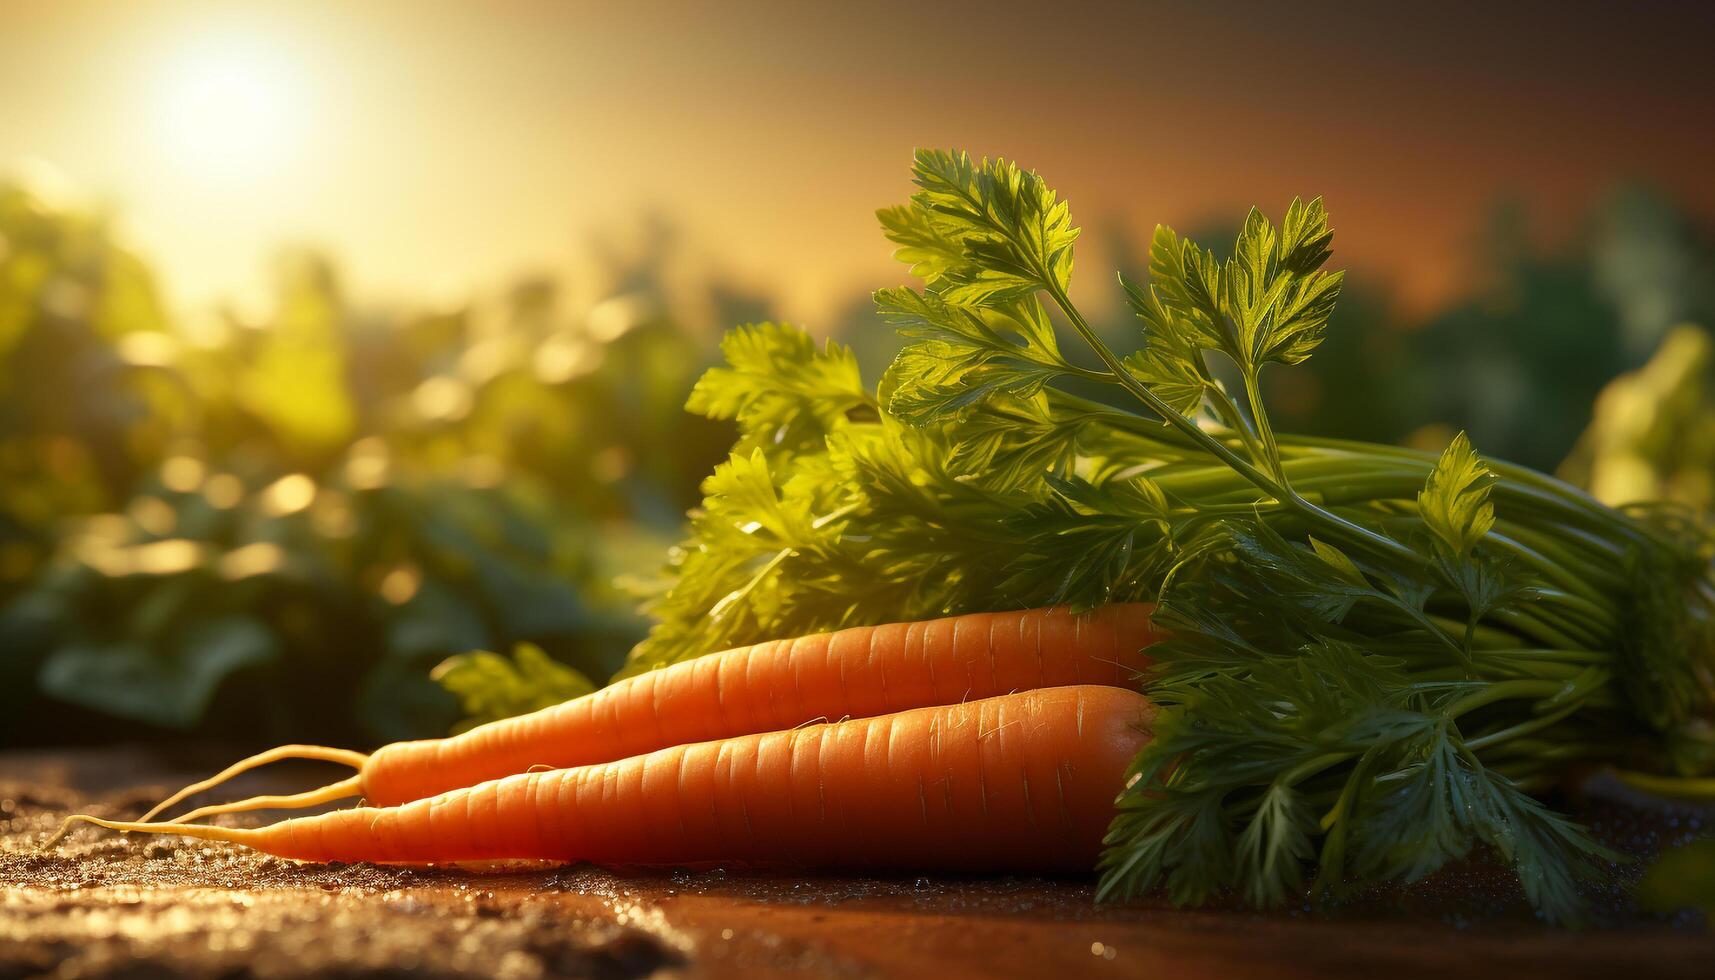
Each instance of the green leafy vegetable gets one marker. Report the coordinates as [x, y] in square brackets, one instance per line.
[1376, 656]
[491, 687]
[784, 393]
[964, 356]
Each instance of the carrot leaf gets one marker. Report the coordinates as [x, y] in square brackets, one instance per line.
[1455, 502]
[1375, 657]
[491, 687]
[784, 390]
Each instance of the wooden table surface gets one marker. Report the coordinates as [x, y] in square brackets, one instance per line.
[106, 906]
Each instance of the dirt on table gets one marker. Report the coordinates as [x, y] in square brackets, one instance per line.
[102, 905]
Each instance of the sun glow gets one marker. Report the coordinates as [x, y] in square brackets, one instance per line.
[230, 110]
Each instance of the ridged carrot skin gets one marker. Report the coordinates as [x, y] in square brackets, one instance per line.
[1022, 782]
[853, 673]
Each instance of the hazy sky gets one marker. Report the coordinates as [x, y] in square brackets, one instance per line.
[440, 147]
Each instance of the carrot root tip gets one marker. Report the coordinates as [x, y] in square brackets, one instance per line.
[199, 831]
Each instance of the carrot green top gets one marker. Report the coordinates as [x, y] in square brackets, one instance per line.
[1377, 655]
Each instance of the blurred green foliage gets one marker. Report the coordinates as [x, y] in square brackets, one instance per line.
[1652, 436]
[274, 527]
[1681, 878]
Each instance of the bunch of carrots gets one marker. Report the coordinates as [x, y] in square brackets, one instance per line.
[1376, 656]
[991, 741]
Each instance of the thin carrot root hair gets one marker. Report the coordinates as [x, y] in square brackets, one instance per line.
[344, 789]
[318, 753]
[232, 835]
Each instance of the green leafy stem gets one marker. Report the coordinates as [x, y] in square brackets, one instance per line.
[1442, 615]
[1374, 656]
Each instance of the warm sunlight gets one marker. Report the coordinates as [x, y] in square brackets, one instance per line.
[230, 109]
[987, 488]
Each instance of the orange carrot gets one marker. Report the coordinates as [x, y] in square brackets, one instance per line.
[854, 673]
[1021, 782]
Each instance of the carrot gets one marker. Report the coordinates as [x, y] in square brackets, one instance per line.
[1021, 782]
[857, 673]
